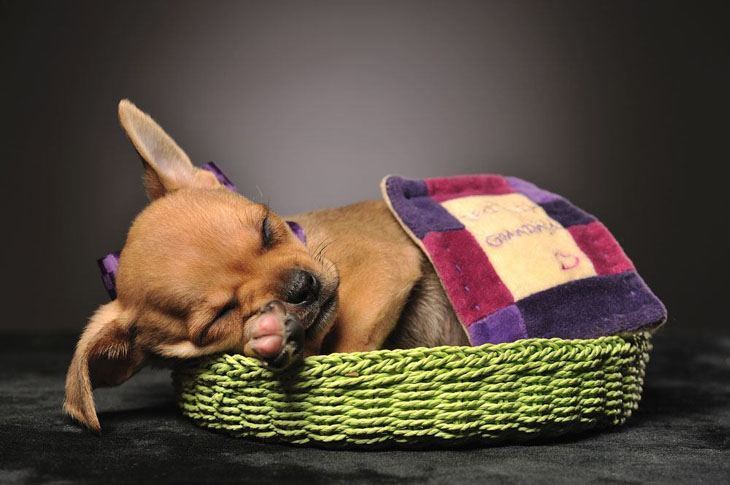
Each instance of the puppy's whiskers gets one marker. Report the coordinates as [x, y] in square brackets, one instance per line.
[318, 253]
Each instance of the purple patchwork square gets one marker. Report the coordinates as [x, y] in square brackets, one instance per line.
[566, 213]
[417, 210]
[505, 325]
[532, 191]
[592, 307]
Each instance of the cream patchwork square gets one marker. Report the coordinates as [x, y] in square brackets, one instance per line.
[529, 250]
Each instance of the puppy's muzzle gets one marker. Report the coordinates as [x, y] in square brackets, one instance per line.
[301, 288]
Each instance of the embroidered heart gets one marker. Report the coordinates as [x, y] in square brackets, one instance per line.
[567, 261]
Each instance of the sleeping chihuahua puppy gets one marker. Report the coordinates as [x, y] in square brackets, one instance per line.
[205, 270]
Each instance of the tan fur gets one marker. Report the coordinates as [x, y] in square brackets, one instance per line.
[378, 266]
[105, 339]
[197, 247]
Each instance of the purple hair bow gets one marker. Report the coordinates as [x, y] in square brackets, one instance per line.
[109, 264]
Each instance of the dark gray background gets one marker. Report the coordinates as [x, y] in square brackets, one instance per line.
[620, 106]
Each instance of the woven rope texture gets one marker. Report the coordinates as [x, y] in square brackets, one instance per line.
[422, 397]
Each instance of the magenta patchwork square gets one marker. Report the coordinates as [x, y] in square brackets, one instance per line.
[441, 189]
[601, 248]
[471, 283]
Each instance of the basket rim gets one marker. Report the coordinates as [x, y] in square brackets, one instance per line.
[518, 345]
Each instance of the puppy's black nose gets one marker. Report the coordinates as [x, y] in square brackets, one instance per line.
[301, 288]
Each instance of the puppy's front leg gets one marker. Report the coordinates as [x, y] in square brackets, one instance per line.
[275, 336]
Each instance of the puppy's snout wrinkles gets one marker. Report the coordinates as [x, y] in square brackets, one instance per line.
[302, 287]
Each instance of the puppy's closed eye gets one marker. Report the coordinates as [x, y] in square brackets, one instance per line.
[268, 237]
[218, 326]
[226, 310]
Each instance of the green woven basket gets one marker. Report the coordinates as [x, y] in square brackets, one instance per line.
[422, 397]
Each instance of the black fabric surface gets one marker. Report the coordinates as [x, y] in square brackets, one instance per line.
[680, 434]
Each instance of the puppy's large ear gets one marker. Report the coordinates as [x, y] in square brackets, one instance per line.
[105, 356]
[167, 167]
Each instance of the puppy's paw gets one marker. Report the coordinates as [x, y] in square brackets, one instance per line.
[275, 336]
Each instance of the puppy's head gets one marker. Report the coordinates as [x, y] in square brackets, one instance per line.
[198, 264]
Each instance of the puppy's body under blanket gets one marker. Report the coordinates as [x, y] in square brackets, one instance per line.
[519, 262]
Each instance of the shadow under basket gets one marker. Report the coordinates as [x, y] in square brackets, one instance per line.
[443, 396]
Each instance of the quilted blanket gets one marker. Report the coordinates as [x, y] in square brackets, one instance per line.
[517, 261]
